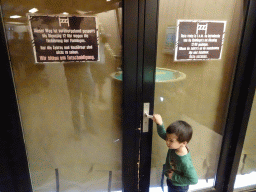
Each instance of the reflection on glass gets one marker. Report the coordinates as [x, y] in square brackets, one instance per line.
[80, 84]
[247, 167]
[70, 123]
[201, 99]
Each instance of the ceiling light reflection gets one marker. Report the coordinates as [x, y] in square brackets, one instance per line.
[15, 16]
[33, 10]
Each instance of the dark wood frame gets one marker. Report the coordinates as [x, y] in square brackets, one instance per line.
[13, 159]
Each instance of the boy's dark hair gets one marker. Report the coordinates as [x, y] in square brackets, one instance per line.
[182, 130]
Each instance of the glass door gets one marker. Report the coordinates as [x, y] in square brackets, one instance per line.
[247, 169]
[65, 57]
[197, 48]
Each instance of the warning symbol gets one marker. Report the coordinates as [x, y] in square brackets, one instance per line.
[201, 27]
[63, 20]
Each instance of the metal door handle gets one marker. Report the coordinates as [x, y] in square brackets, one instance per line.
[146, 116]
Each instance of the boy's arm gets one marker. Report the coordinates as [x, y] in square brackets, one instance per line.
[161, 131]
[189, 177]
[160, 126]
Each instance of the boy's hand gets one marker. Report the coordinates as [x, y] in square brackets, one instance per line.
[170, 175]
[157, 119]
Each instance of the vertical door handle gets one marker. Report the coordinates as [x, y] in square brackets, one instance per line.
[146, 117]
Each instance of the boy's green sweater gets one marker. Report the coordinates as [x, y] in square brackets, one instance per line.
[184, 171]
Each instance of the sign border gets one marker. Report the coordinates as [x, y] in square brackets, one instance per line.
[196, 21]
[29, 15]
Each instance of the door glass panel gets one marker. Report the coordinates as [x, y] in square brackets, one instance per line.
[197, 91]
[247, 167]
[72, 139]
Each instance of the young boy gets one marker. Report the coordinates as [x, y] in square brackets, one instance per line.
[180, 171]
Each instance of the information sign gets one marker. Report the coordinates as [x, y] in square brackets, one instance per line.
[199, 40]
[64, 38]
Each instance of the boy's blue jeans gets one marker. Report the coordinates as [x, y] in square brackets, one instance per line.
[173, 188]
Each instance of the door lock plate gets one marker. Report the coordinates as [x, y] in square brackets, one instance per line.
[145, 118]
